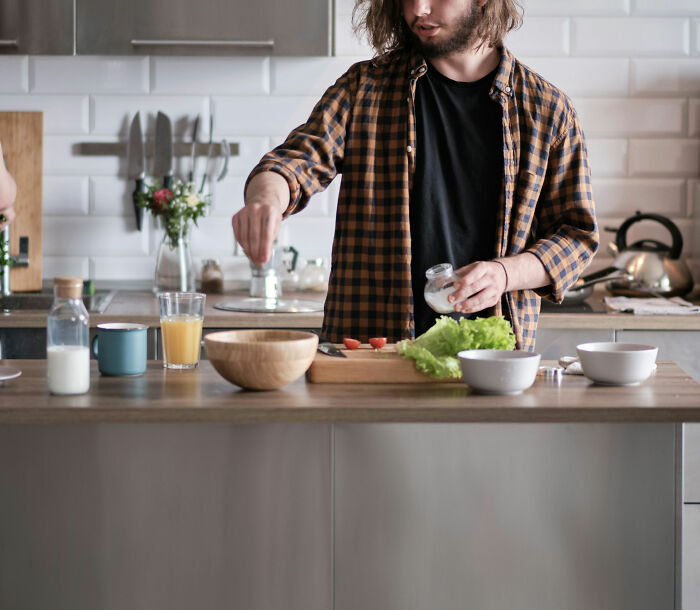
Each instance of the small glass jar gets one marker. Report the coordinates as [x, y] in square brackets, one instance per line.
[67, 330]
[440, 284]
[314, 276]
[212, 277]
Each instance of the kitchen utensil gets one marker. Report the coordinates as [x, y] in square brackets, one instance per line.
[137, 166]
[120, 348]
[326, 347]
[195, 132]
[262, 305]
[656, 268]
[226, 154]
[610, 363]
[21, 134]
[265, 279]
[181, 318]
[261, 359]
[368, 365]
[210, 155]
[495, 371]
[583, 287]
[163, 165]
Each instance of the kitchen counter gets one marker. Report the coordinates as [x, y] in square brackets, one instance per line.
[141, 306]
[201, 395]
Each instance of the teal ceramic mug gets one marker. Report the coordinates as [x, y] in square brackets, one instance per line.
[120, 348]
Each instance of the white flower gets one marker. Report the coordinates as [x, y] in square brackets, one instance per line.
[192, 200]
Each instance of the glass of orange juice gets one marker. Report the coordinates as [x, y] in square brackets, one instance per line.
[181, 316]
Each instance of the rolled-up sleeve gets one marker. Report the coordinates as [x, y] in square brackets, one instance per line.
[567, 231]
[312, 154]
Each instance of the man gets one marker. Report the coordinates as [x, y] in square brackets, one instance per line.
[8, 192]
[450, 151]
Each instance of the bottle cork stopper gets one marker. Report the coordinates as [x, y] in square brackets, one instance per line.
[68, 287]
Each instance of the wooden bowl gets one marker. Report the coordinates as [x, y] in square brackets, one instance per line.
[261, 359]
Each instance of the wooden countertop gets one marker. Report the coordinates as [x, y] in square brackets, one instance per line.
[201, 395]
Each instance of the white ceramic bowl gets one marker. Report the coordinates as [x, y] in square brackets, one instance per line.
[613, 363]
[496, 371]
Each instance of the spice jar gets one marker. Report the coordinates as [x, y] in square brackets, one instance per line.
[440, 285]
[212, 277]
[314, 276]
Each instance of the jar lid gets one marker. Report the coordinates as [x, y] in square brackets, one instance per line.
[68, 287]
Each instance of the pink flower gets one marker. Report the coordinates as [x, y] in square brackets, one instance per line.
[160, 199]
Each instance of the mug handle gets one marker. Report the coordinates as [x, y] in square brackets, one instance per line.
[95, 346]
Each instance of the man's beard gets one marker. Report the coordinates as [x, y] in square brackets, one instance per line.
[462, 39]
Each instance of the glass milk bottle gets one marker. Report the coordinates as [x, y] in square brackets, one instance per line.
[439, 286]
[67, 351]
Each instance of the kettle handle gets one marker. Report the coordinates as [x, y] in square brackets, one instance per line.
[676, 245]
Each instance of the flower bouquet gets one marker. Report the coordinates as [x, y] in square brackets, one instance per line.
[176, 207]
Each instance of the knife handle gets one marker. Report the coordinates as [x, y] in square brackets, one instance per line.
[167, 179]
[138, 210]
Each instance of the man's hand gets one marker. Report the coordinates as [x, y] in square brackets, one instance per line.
[480, 286]
[257, 225]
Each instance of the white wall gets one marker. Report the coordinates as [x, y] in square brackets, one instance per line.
[632, 68]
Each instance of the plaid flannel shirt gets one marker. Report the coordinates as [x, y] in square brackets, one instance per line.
[364, 128]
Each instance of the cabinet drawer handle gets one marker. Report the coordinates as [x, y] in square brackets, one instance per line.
[204, 43]
[9, 43]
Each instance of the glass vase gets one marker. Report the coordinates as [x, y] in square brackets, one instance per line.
[174, 268]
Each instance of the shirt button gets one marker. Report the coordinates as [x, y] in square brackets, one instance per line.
[408, 99]
[409, 148]
[508, 89]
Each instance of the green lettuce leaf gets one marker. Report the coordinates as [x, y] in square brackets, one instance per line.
[435, 351]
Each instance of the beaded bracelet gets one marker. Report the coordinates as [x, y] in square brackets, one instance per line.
[504, 271]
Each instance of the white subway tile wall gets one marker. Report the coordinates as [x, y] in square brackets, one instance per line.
[632, 68]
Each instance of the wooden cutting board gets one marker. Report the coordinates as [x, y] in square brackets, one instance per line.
[367, 365]
[21, 134]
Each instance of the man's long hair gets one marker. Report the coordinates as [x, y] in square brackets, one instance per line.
[386, 29]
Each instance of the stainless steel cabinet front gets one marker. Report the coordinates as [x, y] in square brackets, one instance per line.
[203, 27]
[37, 27]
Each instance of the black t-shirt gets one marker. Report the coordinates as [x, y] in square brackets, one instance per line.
[458, 176]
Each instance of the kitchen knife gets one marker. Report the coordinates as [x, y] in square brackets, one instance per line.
[163, 165]
[210, 154]
[225, 153]
[329, 349]
[195, 131]
[137, 166]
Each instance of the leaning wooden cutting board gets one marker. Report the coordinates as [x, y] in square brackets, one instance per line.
[367, 365]
[21, 134]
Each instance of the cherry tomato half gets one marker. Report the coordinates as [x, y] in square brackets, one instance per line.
[351, 343]
[377, 342]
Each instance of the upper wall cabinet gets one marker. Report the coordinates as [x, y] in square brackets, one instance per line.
[203, 27]
[37, 27]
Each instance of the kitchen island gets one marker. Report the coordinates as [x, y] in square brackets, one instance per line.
[176, 489]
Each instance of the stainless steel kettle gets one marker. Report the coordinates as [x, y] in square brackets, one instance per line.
[655, 269]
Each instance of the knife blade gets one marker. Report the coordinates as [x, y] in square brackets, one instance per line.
[137, 166]
[331, 350]
[195, 132]
[210, 153]
[163, 165]
[225, 153]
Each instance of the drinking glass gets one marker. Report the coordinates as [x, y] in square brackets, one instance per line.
[181, 316]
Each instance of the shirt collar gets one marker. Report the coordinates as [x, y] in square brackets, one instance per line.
[502, 81]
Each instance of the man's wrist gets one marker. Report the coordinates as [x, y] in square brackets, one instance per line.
[505, 273]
